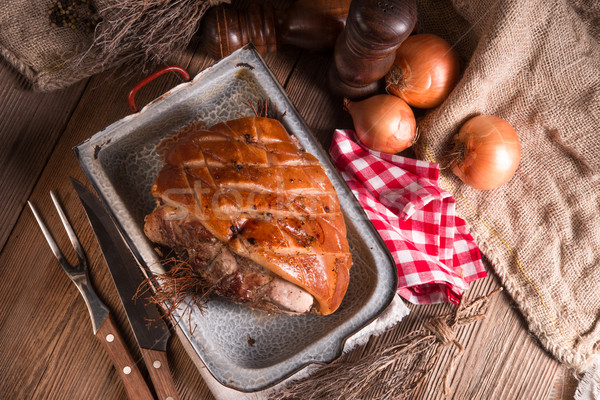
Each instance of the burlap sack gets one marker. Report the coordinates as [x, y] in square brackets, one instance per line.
[137, 31]
[32, 46]
[536, 64]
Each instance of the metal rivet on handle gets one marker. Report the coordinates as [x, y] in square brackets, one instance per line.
[156, 364]
[110, 338]
[127, 370]
[169, 398]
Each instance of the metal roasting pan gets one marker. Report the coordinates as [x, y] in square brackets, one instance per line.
[244, 349]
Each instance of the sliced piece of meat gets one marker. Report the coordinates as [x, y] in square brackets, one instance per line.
[235, 277]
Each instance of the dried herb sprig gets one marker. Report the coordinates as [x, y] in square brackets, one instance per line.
[145, 32]
[392, 371]
[263, 108]
[179, 283]
[136, 35]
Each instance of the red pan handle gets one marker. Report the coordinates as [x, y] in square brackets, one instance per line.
[176, 68]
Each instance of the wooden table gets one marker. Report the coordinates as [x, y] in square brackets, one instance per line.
[47, 349]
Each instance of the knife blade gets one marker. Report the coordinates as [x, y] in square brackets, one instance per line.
[149, 329]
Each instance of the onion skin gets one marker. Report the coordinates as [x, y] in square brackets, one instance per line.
[487, 152]
[383, 123]
[425, 71]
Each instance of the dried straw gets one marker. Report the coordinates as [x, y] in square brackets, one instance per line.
[141, 33]
[263, 108]
[393, 371]
[180, 284]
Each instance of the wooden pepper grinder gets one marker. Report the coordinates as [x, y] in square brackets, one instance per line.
[366, 49]
[308, 24]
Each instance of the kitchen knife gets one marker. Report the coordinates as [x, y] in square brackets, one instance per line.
[103, 324]
[149, 329]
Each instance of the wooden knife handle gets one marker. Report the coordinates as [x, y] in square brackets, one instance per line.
[158, 367]
[113, 343]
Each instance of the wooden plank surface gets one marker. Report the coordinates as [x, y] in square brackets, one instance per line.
[30, 125]
[47, 349]
[49, 300]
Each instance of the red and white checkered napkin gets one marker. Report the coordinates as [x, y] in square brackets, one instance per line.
[435, 255]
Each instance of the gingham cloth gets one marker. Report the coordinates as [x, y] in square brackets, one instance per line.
[435, 255]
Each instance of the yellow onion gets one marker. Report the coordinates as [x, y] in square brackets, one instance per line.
[425, 71]
[487, 152]
[383, 123]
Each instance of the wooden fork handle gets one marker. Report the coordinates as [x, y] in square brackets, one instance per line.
[158, 368]
[115, 346]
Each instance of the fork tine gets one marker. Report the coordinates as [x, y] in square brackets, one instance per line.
[51, 242]
[69, 229]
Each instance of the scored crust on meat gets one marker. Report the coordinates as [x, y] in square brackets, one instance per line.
[245, 191]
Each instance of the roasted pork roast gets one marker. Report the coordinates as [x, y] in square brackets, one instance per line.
[255, 215]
